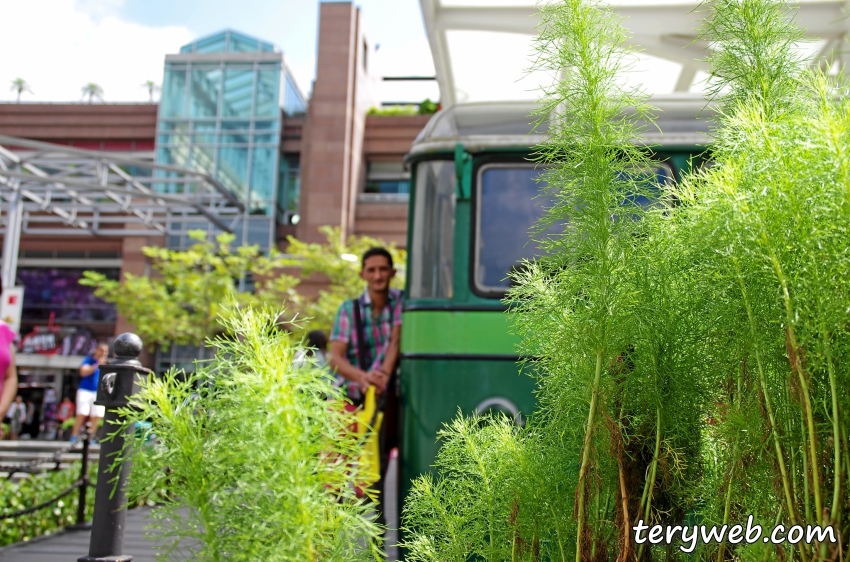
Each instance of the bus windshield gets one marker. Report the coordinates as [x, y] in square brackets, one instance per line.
[507, 207]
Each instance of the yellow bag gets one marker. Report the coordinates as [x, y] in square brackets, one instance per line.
[370, 435]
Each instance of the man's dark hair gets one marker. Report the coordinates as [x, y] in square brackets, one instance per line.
[376, 251]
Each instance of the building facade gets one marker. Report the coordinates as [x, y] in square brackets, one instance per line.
[230, 108]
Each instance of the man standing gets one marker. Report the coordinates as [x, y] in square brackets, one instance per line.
[87, 391]
[379, 309]
[17, 413]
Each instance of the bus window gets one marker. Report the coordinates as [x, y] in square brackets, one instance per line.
[506, 210]
[432, 242]
[508, 207]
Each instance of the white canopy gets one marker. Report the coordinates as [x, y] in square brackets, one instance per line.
[482, 48]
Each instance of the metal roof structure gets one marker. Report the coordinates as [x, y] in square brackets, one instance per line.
[482, 48]
[56, 190]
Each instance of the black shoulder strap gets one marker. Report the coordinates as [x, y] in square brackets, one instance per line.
[361, 340]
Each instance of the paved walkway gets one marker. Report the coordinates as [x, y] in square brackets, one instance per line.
[67, 546]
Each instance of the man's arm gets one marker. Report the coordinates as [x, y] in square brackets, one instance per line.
[88, 370]
[340, 363]
[391, 357]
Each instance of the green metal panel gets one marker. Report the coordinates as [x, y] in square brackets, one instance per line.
[457, 332]
[433, 392]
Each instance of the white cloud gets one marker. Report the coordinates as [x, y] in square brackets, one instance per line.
[57, 49]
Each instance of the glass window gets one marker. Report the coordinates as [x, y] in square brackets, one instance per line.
[242, 44]
[268, 47]
[238, 87]
[201, 158]
[233, 169]
[58, 292]
[387, 186]
[173, 102]
[265, 125]
[432, 243]
[264, 139]
[204, 89]
[268, 81]
[506, 196]
[293, 103]
[235, 132]
[263, 164]
[204, 132]
[214, 44]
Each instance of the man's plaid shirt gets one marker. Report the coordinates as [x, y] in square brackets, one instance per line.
[376, 333]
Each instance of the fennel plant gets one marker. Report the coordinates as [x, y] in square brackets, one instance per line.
[256, 460]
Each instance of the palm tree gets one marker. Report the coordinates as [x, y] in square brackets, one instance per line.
[152, 88]
[20, 86]
[93, 91]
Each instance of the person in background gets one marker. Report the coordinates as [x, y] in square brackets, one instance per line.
[17, 412]
[379, 309]
[87, 391]
[317, 349]
[28, 421]
[8, 371]
[65, 410]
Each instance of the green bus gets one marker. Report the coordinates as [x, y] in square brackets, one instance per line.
[471, 205]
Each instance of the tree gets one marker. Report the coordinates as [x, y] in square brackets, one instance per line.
[152, 88]
[93, 91]
[344, 276]
[182, 303]
[19, 85]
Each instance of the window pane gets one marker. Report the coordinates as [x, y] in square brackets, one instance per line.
[293, 103]
[267, 96]
[262, 173]
[506, 196]
[242, 44]
[211, 44]
[264, 139]
[204, 92]
[432, 247]
[265, 125]
[387, 186]
[238, 86]
[202, 158]
[173, 102]
[233, 169]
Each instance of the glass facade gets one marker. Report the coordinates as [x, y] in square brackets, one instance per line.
[225, 118]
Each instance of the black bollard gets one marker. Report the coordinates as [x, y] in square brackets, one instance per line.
[117, 384]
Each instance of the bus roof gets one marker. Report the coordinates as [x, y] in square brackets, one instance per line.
[682, 120]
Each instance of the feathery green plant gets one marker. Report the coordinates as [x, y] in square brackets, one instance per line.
[692, 357]
[258, 462]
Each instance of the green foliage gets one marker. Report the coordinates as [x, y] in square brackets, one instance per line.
[692, 363]
[253, 453]
[182, 302]
[393, 111]
[28, 492]
[427, 107]
[323, 260]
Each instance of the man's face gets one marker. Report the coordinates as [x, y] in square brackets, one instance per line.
[377, 273]
[101, 352]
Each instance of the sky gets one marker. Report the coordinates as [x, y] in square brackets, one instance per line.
[58, 46]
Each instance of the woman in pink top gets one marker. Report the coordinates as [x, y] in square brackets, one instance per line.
[8, 372]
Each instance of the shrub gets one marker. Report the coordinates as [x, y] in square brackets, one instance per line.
[254, 454]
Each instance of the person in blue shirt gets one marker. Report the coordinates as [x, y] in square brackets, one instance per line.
[87, 391]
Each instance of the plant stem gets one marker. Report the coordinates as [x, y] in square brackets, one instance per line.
[624, 498]
[804, 385]
[585, 454]
[649, 485]
[774, 430]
